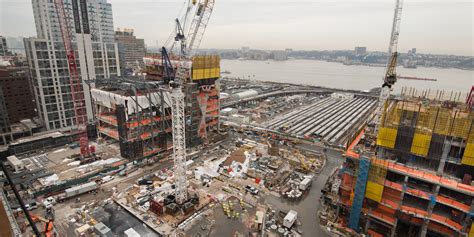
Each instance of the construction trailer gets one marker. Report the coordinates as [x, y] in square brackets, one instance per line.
[16, 164]
[414, 177]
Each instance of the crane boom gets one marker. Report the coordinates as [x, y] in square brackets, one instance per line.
[199, 23]
[77, 92]
[188, 43]
[390, 76]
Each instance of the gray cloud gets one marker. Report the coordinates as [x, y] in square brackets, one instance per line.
[432, 26]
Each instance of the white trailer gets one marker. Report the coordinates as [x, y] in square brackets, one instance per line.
[290, 219]
[80, 189]
[305, 184]
[16, 164]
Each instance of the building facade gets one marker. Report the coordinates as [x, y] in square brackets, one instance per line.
[4, 122]
[358, 51]
[131, 49]
[17, 94]
[91, 31]
[3, 47]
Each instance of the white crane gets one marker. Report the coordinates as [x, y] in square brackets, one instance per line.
[202, 13]
[390, 76]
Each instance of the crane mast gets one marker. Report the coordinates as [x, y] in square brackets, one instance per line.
[390, 76]
[77, 92]
[196, 32]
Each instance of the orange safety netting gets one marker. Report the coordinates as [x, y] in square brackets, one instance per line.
[383, 217]
[453, 203]
[372, 233]
[109, 132]
[440, 228]
[350, 150]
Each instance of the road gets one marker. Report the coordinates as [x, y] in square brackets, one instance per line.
[308, 207]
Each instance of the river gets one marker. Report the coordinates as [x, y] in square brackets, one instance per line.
[337, 75]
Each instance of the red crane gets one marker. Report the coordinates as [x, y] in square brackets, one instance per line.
[77, 92]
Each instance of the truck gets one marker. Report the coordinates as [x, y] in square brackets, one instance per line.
[290, 219]
[305, 184]
[80, 189]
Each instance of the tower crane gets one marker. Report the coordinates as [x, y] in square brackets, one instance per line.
[189, 42]
[388, 81]
[390, 76]
[77, 92]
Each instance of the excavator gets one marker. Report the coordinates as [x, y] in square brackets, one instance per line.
[48, 229]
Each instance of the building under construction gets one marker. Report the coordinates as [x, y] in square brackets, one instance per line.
[137, 112]
[413, 178]
[201, 90]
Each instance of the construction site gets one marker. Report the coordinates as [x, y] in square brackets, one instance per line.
[176, 150]
[411, 178]
[321, 115]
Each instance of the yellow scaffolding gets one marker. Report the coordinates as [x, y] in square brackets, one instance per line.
[205, 67]
[376, 180]
[423, 130]
[468, 157]
[388, 130]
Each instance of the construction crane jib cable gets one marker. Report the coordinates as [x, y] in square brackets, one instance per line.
[390, 76]
[202, 12]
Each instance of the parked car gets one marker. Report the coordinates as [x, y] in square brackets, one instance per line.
[31, 206]
[145, 182]
[252, 190]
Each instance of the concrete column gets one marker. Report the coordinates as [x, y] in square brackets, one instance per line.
[402, 195]
[424, 227]
[466, 221]
[367, 221]
[444, 156]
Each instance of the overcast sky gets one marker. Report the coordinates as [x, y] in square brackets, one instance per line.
[431, 26]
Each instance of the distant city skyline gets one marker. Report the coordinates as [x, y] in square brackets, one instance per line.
[434, 27]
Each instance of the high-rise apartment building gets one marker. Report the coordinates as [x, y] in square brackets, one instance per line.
[360, 51]
[131, 49]
[4, 122]
[17, 96]
[91, 27]
[3, 47]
